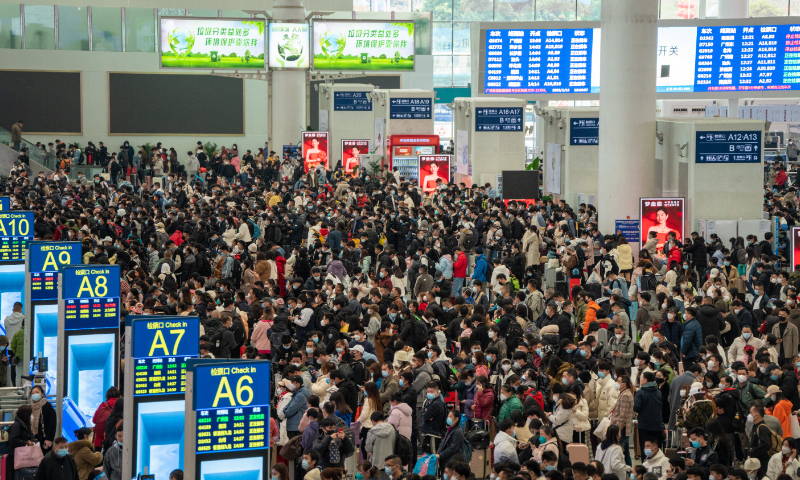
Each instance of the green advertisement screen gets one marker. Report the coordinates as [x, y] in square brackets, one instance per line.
[218, 43]
[363, 45]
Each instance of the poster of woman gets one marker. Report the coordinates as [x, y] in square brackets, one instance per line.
[661, 216]
[315, 150]
[431, 169]
[351, 151]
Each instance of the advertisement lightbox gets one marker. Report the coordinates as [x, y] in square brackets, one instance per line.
[351, 154]
[431, 169]
[288, 45]
[661, 216]
[315, 150]
[218, 43]
[360, 45]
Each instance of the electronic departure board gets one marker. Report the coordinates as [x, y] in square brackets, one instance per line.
[161, 346]
[16, 230]
[232, 405]
[91, 297]
[5, 203]
[705, 58]
[46, 259]
[728, 147]
[411, 108]
[351, 102]
[539, 61]
[498, 119]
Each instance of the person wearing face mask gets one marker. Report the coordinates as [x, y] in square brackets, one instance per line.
[788, 337]
[786, 461]
[621, 348]
[505, 443]
[59, 464]
[43, 419]
[310, 464]
[86, 459]
[702, 455]
[736, 351]
[760, 440]
[548, 445]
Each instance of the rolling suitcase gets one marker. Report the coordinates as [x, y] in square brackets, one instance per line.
[578, 452]
[562, 284]
[550, 277]
[25, 473]
[480, 464]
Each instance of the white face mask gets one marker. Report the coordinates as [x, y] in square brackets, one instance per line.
[617, 386]
[786, 450]
[491, 334]
[741, 378]
[670, 316]
[683, 393]
[637, 362]
[619, 336]
[712, 364]
[506, 367]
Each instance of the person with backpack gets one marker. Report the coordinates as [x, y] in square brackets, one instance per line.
[381, 439]
[453, 441]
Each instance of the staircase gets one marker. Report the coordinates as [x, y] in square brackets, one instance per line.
[39, 161]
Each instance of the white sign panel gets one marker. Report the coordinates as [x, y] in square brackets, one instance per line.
[462, 157]
[552, 168]
[289, 45]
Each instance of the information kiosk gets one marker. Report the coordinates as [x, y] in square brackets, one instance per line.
[227, 419]
[159, 348]
[42, 265]
[88, 342]
[16, 230]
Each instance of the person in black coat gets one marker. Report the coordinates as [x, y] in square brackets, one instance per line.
[43, 419]
[697, 248]
[58, 467]
[19, 435]
[788, 385]
[347, 388]
[453, 440]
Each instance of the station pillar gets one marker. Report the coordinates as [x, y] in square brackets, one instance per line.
[288, 89]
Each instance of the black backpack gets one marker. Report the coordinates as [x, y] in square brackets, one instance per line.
[203, 266]
[514, 330]
[470, 241]
[402, 447]
[420, 334]
[236, 273]
[214, 341]
[347, 371]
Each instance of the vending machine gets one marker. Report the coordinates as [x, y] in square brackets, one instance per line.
[404, 152]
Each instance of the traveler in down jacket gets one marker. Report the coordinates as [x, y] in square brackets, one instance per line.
[453, 441]
[380, 439]
[297, 405]
[505, 445]
[400, 415]
[647, 404]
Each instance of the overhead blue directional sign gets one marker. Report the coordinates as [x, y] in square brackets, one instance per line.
[411, 108]
[728, 147]
[5, 203]
[47, 258]
[584, 131]
[351, 102]
[498, 119]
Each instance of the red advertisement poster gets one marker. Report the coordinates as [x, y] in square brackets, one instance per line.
[315, 150]
[351, 149]
[520, 202]
[795, 247]
[431, 169]
[662, 216]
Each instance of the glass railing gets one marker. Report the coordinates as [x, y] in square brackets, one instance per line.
[35, 153]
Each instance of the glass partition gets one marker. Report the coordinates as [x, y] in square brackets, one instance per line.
[514, 10]
[442, 38]
[107, 29]
[555, 10]
[140, 30]
[442, 70]
[73, 28]
[10, 29]
[202, 12]
[40, 27]
[461, 70]
[768, 8]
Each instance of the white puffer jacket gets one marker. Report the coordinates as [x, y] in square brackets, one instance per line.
[606, 395]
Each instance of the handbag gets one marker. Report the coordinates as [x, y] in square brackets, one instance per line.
[795, 425]
[27, 456]
[426, 465]
[293, 448]
[602, 426]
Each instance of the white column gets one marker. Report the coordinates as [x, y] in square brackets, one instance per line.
[734, 9]
[288, 88]
[733, 108]
[627, 108]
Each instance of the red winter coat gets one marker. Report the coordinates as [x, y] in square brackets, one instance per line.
[99, 419]
[674, 256]
[484, 401]
[460, 266]
[780, 178]
[281, 263]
